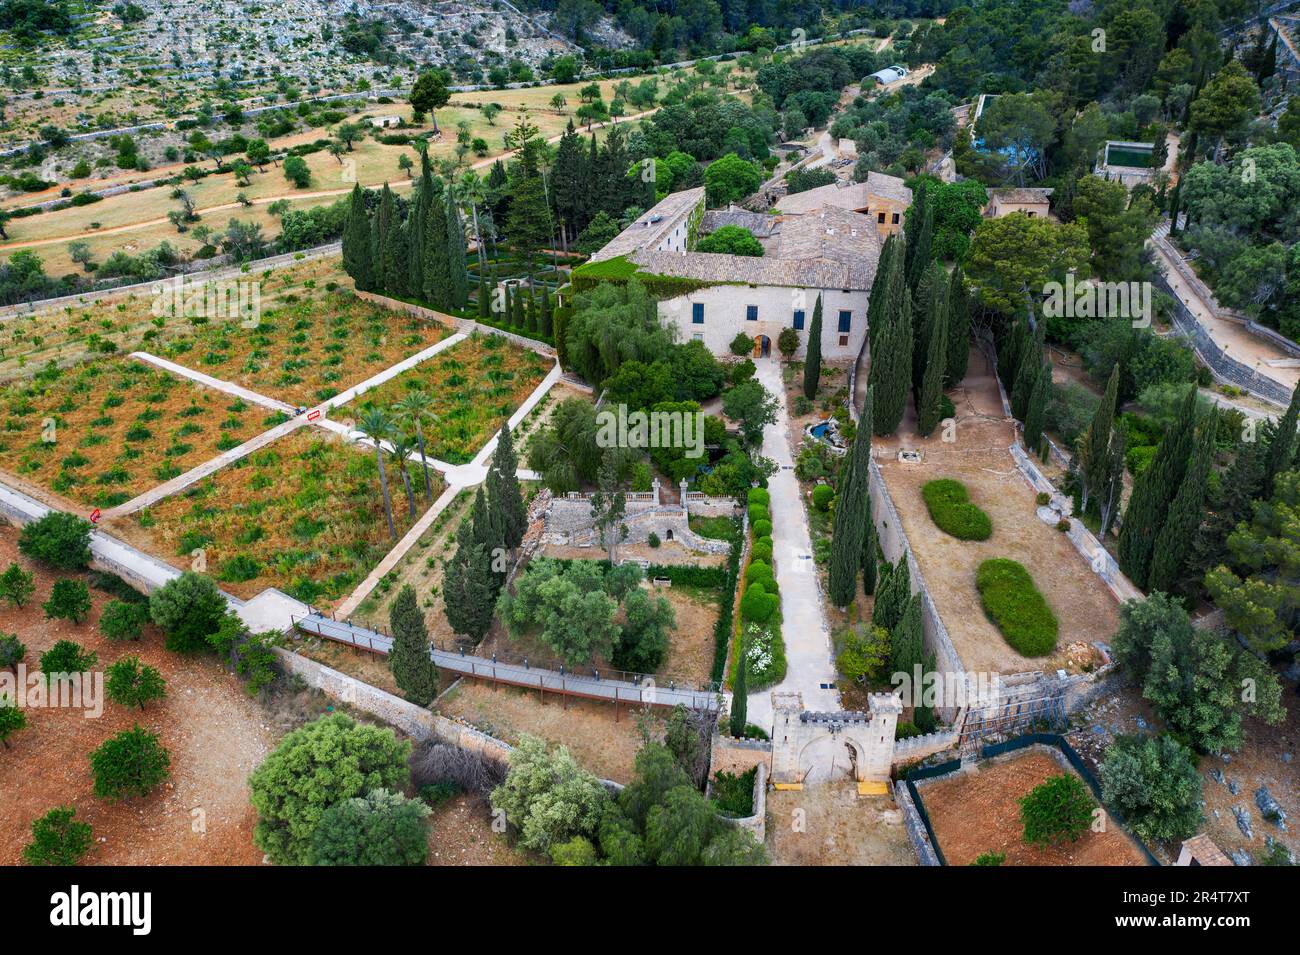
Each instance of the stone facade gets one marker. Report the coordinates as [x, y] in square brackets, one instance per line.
[810, 748]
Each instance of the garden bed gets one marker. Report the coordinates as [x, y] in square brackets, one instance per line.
[120, 428]
[305, 515]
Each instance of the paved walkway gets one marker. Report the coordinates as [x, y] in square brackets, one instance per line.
[804, 625]
[229, 387]
[517, 674]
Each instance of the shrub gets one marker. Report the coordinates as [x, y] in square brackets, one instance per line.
[1056, 810]
[132, 763]
[762, 529]
[12, 651]
[1042, 497]
[822, 496]
[67, 657]
[949, 505]
[761, 551]
[315, 767]
[653, 539]
[12, 719]
[1154, 784]
[757, 604]
[58, 539]
[380, 828]
[69, 600]
[121, 620]
[742, 345]
[58, 839]
[733, 793]
[16, 586]
[1013, 603]
[758, 495]
[132, 683]
[188, 609]
[990, 858]
[759, 512]
[548, 796]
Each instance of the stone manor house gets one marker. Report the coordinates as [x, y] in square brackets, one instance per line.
[827, 243]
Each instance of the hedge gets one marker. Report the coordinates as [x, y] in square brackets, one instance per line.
[759, 512]
[951, 510]
[759, 495]
[1013, 603]
[726, 614]
[762, 529]
[687, 575]
[761, 551]
[757, 604]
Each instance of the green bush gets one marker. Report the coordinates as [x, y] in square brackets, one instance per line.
[58, 539]
[761, 551]
[1056, 810]
[950, 509]
[123, 621]
[757, 604]
[822, 496]
[762, 529]
[759, 512]
[58, 839]
[67, 657]
[132, 763]
[759, 495]
[1013, 603]
[733, 793]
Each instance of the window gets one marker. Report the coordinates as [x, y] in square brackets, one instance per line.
[751, 313]
[880, 217]
[844, 341]
[798, 319]
[895, 218]
[846, 319]
[698, 336]
[697, 313]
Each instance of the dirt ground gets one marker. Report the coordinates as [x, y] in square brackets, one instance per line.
[215, 733]
[1084, 606]
[978, 810]
[600, 741]
[839, 827]
[1259, 763]
[668, 552]
[460, 833]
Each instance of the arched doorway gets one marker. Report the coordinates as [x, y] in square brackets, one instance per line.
[762, 346]
[828, 759]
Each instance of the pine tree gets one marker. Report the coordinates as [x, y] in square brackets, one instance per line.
[740, 692]
[1173, 546]
[959, 329]
[812, 362]
[852, 511]
[1095, 441]
[409, 660]
[469, 588]
[907, 639]
[892, 595]
[457, 273]
[358, 249]
[1148, 505]
[929, 402]
[1036, 413]
[1282, 446]
[503, 491]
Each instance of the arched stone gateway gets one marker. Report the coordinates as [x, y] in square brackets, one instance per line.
[810, 748]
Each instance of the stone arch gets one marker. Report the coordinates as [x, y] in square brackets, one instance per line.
[831, 757]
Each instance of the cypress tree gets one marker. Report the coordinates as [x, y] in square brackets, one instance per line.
[484, 300]
[1095, 441]
[913, 227]
[1148, 505]
[892, 594]
[417, 224]
[469, 587]
[1112, 486]
[919, 262]
[503, 491]
[1242, 483]
[869, 560]
[1173, 546]
[925, 308]
[530, 311]
[812, 363]
[437, 262]
[1009, 348]
[545, 326]
[485, 524]
[358, 248]
[879, 293]
[517, 317]
[457, 273]
[1281, 447]
[852, 510]
[740, 693]
[1036, 413]
[891, 362]
[1031, 360]
[929, 402]
[923, 716]
[409, 660]
[906, 639]
[958, 327]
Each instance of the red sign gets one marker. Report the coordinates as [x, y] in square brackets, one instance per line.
[94, 516]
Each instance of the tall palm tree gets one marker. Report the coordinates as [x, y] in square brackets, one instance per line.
[417, 408]
[377, 426]
[401, 451]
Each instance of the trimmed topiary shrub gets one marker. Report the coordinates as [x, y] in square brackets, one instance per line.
[758, 605]
[1013, 603]
[759, 495]
[822, 496]
[759, 512]
[761, 551]
[950, 509]
[762, 529]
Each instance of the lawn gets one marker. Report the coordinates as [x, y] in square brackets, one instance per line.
[119, 427]
[304, 515]
[306, 348]
[475, 385]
